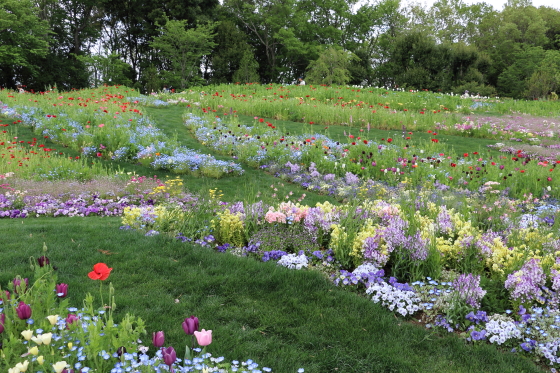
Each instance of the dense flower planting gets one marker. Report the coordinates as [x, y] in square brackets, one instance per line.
[106, 124]
[391, 161]
[460, 243]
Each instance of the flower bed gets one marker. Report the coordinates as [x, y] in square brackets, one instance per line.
[36, 337]
[391, 161]
[488, 281]
[104, 124]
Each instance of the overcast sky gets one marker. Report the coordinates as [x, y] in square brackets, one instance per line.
[497, 4]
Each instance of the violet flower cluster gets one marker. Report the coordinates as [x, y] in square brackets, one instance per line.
[467, 286]
[526, 284]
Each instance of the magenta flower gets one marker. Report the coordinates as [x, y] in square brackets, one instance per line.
[43, 261]
[2, 321]
[61, 290]
[23, 311]
[190, 325]
[20, 285]
[169, 355]
[204, 337]
[71, 319]
[158, 339]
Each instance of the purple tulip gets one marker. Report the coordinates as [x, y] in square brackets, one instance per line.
[43, 261]
[20, 285]
[158, 339]
[169, 355]
[190, 325]
[71, 319]
[121, 350]
[61, 290]
[23, 311]
[2, 321]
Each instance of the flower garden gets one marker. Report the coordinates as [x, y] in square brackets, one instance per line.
[410, 211]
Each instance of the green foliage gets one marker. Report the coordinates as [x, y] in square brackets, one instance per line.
[230, 52]
[23, 39]
[546, 78]
[285, 237]
[331, 67]
[184, 48]
[110, 70]
[247, 72]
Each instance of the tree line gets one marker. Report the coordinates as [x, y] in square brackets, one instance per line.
[149, 44]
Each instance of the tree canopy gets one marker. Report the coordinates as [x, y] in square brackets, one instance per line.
[450, 46]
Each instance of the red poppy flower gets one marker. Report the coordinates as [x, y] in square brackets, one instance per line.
[100, 272]
[389, 139]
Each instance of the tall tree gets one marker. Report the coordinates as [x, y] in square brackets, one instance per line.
[270, 25]
[231, 47]
[331, 67]
[23, 39]
[247, 72]
[134, 23]
[184, 48]
[504, 35]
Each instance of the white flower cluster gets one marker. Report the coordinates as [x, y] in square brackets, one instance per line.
[499, 329]
[365, 268]
[528, 221]
[405, 302]
[293, 261]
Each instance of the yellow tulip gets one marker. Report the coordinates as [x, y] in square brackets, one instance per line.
[33, 351]
[41, 360]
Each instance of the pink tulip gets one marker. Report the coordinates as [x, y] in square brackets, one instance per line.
[203, 337]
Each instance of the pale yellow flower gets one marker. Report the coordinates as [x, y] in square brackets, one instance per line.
[22, 367]
[27, 334]
[52, 319]
[59, 366]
